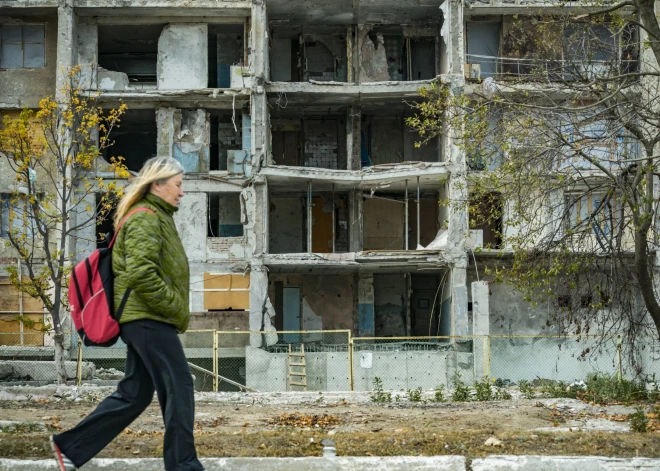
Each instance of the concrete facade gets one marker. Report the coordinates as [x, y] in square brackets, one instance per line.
[301, 173]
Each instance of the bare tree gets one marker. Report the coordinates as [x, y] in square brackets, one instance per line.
[53, 153]
[562, 145]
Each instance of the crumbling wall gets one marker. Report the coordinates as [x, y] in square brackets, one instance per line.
[186, 136]
[183, 57]
[373, 57]
[190, 221]
[390, 306]
[326, 60]
[327, 300]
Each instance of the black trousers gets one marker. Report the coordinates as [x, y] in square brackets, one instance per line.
[154, 361]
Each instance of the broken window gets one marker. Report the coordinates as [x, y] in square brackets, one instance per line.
[385, 218]
[297, 56]
[311, 142]
[226, 52]
[16, 216]
[226, 139]
[483, 44]
[593, 212]
[131, 50]
[486, 216]
[22, 46]
[289, 224]
[387, 140]
[390, 55]
[135, 140]
[224, 218]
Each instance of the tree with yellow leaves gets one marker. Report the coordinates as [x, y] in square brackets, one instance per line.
[53, 154]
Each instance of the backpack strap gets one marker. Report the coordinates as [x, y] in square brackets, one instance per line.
[130, 213]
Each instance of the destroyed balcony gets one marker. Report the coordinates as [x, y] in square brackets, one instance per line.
[377, 177]
[207, 58]
[325, 53]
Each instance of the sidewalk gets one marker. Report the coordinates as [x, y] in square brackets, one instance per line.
[397, 463]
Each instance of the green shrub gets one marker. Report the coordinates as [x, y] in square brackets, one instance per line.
[603, 388]
[415, 395]
[501, 394]
[557, 389]
[461, 390]
[638, 421]
[526, 389]
[483, 390]
[439, 395]
[380, 396]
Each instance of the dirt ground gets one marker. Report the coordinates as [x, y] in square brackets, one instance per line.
[295, 424]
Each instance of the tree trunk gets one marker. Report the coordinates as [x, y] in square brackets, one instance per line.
[645, 281]
[60, 366]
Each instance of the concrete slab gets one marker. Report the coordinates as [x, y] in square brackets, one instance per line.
[398, 463]
[563, 463]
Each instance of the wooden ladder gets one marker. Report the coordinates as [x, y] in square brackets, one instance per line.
[297, 360]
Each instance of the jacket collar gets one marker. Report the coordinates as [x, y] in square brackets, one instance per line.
[161, 204]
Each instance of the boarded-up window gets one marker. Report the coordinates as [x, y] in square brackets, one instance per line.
[226, 292]
[10, 309]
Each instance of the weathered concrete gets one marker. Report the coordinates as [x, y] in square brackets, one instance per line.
[88, 53]
[398, 463]
[183, 56]
[42, 370]
[191, 222]
[480, 327]
[563, 463]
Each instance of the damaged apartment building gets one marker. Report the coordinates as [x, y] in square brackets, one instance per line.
[308, 206]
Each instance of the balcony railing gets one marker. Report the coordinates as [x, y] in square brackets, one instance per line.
[479, 67]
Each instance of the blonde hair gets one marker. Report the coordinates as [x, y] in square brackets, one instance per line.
[155, 170]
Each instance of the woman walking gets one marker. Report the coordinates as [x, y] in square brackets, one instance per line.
[149, 264]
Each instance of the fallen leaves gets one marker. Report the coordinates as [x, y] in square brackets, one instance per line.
[304, 420]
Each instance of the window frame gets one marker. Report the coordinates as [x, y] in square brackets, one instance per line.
[22, 43]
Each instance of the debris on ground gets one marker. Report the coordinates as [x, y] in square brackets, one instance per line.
[304, 420]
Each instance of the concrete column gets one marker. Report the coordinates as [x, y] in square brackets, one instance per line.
[259, 60]
[353, 137]
[67, 55]
[260, 129]
[366, 320]
[258, 301]
[168, 120]
[355, 221]
[452, 33]
[459, 301]
[67, 46]
[88, 54]
[480, 328]
[255, 200]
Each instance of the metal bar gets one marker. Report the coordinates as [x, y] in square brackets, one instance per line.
[350, 363]
[226, 380]
[21, 327]
[79, 366]
[334, 236]
[406, 218]
[309, 217]
[418, 214]
[343, 331]
[215, 361]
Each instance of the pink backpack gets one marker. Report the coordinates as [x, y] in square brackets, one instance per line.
[91, 296]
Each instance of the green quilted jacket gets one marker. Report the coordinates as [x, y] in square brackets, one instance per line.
[149, 258]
